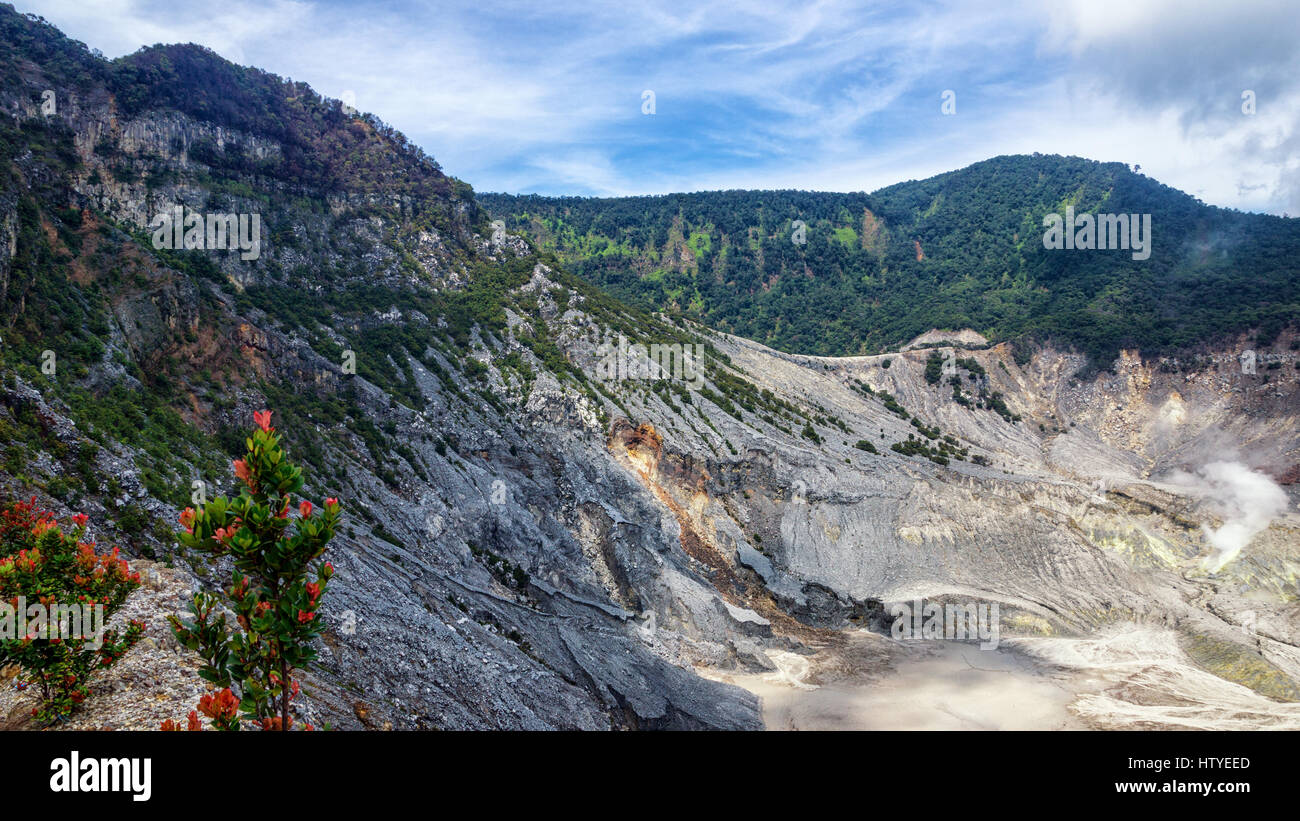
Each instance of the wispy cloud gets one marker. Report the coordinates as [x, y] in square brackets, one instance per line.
[835, 95]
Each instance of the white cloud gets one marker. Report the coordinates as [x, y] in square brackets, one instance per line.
[837, 94]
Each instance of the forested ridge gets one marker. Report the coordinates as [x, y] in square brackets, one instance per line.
[962, 249]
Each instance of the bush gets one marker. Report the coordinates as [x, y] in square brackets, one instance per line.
[78, 590]
[275, 604]
[934, 368]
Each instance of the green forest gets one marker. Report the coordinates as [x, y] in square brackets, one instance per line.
[962, 249]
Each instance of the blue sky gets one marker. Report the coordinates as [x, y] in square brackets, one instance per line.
[836, 96]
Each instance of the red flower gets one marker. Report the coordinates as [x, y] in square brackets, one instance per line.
[81, 519]
[263, 420]
[241, 470]
[187, 519]
[305, 508]
[305, 616]
[331, 502]
[222, 705]
[195, 724]
[170, 726]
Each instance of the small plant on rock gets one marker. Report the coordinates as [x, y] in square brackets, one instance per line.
[275, 594]
[74, 591]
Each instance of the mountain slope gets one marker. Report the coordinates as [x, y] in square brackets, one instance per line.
[960, 250]
[533, 539]
[369, 258]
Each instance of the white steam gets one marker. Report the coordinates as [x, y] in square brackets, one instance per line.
[1246, 499]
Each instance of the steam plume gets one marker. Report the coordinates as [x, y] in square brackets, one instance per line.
[1246, 499]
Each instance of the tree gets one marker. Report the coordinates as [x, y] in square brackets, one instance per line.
[275, 603]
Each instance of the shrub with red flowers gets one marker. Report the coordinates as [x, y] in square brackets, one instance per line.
[275, 594]
[42, 566]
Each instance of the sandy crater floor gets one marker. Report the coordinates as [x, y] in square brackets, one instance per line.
[1129, 678]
